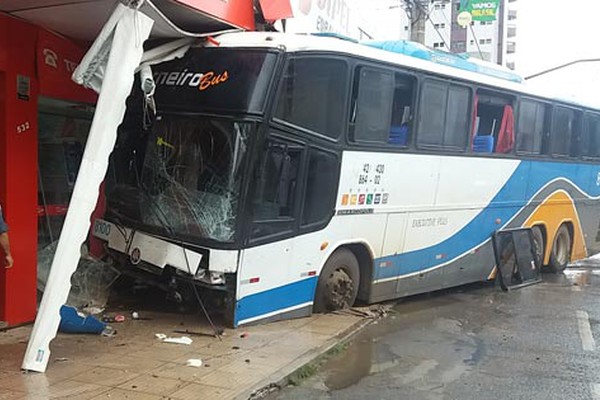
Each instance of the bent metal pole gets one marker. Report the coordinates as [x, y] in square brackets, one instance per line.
[119, 48]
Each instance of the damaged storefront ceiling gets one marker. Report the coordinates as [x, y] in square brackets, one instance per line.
[83, 19]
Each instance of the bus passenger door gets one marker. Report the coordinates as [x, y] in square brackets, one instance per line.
[264, 286]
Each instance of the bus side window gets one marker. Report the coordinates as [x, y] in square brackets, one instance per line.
[402, 109]
[590, 140]
[382, 107]
[494, 130]
[530, 127]
[276, 183]
[444, 115]
[321, 187]
[563, 132]
[312, 95]
[372, 106]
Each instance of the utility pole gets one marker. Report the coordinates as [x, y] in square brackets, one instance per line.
[418, 13]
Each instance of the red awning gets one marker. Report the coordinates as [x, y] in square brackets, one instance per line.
[274, 10]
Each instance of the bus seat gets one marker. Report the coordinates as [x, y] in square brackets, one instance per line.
[483, 144]
[399, 135]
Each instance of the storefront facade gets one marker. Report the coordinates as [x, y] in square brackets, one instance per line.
[35, 89]
[45, 118]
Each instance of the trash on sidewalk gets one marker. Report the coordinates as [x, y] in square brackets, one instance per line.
[194, 362]
[109, 331]
[73, 321]
[115, 318]
[180, 340]
[193, 333]
[135, 315]
[244, 335]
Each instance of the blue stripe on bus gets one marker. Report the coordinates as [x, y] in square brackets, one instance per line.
[275, 299]
[523, 184]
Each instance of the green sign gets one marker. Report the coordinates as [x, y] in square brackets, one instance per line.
[481, 10]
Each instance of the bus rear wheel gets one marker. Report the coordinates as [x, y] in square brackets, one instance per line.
[337, 287]
[561, 250]
[538, 244]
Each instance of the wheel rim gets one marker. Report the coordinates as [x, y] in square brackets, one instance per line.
[340, 288]
[561, 249]
[538, 242]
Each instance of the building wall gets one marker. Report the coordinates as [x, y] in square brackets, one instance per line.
[33, 62]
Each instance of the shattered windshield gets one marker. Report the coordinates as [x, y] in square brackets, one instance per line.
[187, 177]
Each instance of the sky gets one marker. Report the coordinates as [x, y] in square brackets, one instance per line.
[549, 33]
[554, 32]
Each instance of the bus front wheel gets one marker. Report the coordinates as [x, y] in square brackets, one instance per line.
[561, 250]
[338, 282]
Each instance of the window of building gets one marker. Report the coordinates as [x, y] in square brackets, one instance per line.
[488, 41]
[590, 141]
[312, 95]
[472, 41]
[481, 41]
[382, 107]
[444, 116]
[406, 27]
[530, 127]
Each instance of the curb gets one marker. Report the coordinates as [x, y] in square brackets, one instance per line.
[280, 378]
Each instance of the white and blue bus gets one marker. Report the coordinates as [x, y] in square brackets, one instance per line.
[289, 174]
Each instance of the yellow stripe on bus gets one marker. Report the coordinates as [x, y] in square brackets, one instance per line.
[555, 210]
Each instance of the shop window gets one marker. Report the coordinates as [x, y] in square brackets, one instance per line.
[313, 95]
[63, 131]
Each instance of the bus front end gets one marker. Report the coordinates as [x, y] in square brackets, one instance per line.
[178, 174]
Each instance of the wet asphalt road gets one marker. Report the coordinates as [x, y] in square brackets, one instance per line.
[475, 342]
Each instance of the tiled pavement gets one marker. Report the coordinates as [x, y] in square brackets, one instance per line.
[135, 365]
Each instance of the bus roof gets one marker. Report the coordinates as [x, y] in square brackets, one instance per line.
[460, 61]
[319, 43]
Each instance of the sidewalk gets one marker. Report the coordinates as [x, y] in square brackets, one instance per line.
[134, 364]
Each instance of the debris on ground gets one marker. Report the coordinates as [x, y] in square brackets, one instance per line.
[135, 315]
[73, 321]
[90, 284]
[119, 318]
[265, 391]
[374, 312]
[194, 362]
[193, 333]
[244, 334]
[180, 340]
[61, 359]
[109, 331]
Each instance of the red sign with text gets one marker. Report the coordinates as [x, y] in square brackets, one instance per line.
[56, 59]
